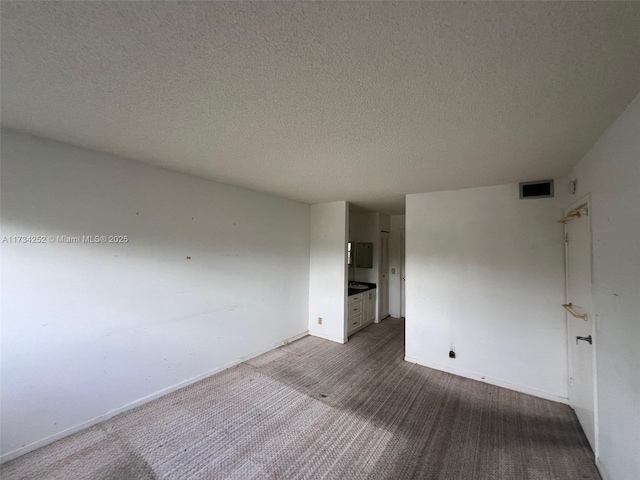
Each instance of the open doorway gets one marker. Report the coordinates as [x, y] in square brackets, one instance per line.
[383, 297]
[397, 266]
[401, 261]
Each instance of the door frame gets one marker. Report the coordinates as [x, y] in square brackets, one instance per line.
[582, 202]
[402, 267]
[382, 291]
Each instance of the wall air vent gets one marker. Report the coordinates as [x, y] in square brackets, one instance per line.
[542, 189]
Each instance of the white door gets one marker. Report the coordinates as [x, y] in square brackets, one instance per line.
[383, 290]
[402, 274]
[580, 323]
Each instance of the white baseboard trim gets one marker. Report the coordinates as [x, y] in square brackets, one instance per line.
[604, 473]
[284, 342]
[160, 393]
[327, 337]
[492, 381]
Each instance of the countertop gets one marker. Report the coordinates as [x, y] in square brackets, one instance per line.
[355, 291]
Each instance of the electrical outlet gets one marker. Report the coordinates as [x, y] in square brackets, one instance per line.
[319, 320]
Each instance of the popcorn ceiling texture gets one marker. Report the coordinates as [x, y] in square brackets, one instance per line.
[325, 101]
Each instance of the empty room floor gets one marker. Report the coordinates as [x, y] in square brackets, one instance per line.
[317, 409]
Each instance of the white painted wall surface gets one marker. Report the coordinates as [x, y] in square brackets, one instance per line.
[385, 222]
[485, 276]
[397, 224]
[610, 174]
[89, 328]
[328, 270]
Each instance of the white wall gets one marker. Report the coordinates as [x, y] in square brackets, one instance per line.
[385, 222]
[397, 225]
[610, 174]
[485, 276]
[89, 328]
[328, 271]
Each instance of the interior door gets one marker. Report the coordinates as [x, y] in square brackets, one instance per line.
[580, 323]
[402, 275]
[383, 291]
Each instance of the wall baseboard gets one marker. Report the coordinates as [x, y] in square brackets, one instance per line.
[604, 473]
[160, 393]
[492, 381]
[327, 337]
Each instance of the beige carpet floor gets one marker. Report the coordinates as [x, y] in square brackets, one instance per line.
[315, 409]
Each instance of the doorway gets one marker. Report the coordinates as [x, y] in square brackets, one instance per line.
[383, 296]
[580, 322]
[402, 274]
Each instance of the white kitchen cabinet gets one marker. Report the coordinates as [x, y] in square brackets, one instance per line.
[370, 300]
[355, 306]
[362, 310]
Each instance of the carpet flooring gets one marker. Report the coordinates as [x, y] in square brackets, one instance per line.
[315, 409]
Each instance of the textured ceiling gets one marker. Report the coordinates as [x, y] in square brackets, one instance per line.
[325, 101]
